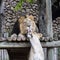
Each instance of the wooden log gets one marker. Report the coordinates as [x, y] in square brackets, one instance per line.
[2, 7]
[49, 18]
[45, 53]
[51, 54]
[4, 54]
[7, 45]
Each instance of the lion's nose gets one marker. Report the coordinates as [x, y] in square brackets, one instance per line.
[28, 25]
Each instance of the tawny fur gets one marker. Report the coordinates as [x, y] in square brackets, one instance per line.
[25, 22]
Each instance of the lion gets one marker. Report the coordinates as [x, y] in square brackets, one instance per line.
[28, 26]
[27, 22]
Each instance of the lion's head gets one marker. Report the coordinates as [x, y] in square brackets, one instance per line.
[27, 24]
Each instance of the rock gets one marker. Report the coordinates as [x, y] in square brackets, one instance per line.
[9, 12]
[50, 39]
[14, 3]
[13, 37]
[12, 8]
[34, 7]
[28, 10]
[3, 39]
[9, 39]
[6, 3]
[6, 34]
[25, 4]
[8, 24]
[8, 20]
[43, 38]
[47, 39]
[21, 37]
[14, 20]
[23, 11]
[14, 16]
[7, 6]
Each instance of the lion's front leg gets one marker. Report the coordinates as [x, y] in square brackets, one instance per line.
[36, 52]
[31, 54]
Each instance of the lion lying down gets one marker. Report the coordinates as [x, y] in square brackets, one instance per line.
[27, 26]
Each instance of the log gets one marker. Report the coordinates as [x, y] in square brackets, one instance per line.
[4, 54]
[51, 51]
[2, 7]
[7, 45]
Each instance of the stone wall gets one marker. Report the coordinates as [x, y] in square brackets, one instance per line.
[11, 16]
[56, 28]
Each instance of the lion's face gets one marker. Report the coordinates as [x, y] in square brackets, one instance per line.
[27, 24]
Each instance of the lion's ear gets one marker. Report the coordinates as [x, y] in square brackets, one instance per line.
[27, 16]
[30, 17]
[21, 19]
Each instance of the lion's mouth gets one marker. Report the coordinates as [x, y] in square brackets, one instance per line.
[29, 30]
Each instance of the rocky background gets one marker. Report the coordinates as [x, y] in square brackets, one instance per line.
[56, 28]
[11, 16]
